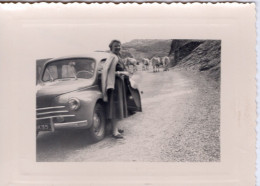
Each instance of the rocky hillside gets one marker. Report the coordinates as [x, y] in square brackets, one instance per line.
[197, 55]
[204, 58]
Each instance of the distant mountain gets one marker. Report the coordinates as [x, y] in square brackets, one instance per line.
[148, 48]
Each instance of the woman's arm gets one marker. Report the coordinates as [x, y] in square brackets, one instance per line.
[126, 73]
[104, 77]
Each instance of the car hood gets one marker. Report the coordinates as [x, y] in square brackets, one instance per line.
[48, 91]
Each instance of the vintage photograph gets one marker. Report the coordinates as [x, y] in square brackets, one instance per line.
[128, 94]
[145, 100]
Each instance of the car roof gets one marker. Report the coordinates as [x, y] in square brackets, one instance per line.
[96, 55]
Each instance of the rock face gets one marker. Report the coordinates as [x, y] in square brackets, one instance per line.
[205, 57]
[182, 48]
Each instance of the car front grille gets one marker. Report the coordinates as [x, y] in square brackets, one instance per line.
[52, 112]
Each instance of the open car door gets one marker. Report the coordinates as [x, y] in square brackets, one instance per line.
[133, 99]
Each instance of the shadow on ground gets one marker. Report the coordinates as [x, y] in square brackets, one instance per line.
[55, 146]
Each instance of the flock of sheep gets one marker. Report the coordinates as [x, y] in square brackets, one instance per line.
[155, 62]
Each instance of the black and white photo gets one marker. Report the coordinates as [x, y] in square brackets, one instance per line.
[128, 94]
[175, 119]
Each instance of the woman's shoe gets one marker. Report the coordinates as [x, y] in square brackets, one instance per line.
[118, 136]
[121, 131]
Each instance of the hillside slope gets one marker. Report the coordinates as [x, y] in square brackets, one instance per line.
[148, 48]
[205, 58]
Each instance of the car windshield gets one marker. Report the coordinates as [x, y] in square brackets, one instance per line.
[69, 69]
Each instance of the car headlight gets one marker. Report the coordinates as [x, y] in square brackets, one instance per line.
[74, 104]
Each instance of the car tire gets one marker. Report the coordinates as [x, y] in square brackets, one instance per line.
[97, 129]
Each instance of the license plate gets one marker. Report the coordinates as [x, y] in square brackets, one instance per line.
[44, 125]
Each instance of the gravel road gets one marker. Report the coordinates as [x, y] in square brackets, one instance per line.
[180, 122]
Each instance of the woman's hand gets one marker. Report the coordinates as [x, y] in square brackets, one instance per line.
[123, 73]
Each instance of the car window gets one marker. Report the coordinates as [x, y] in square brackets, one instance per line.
[51, 73]
[69, 69]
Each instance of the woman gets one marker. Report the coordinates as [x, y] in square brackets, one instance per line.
[113, 87]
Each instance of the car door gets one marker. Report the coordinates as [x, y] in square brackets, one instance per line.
[134, 103]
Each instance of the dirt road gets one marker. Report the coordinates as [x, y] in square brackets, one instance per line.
[179, 122]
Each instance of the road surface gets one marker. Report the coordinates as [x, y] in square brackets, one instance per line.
[179, 123]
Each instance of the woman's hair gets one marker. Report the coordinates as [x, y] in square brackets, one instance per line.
[112, 42]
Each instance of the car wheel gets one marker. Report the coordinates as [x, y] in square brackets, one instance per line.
[97, 130]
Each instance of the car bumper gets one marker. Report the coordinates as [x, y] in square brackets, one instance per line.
[47, 119]
[51, 126]
[68, 125]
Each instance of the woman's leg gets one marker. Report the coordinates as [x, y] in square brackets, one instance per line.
[115, 131]
[115, 127]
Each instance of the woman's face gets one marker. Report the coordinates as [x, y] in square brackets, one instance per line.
[116, 47]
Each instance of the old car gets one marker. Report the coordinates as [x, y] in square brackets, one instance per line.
[69, 95]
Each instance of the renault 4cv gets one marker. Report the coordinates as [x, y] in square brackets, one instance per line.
[69, 95]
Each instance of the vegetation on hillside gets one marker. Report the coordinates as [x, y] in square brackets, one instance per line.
[204, 58]
[148, 48]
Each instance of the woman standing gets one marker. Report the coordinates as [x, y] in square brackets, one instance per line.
[113, 87]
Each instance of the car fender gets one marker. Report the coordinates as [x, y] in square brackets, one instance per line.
[88, 100]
